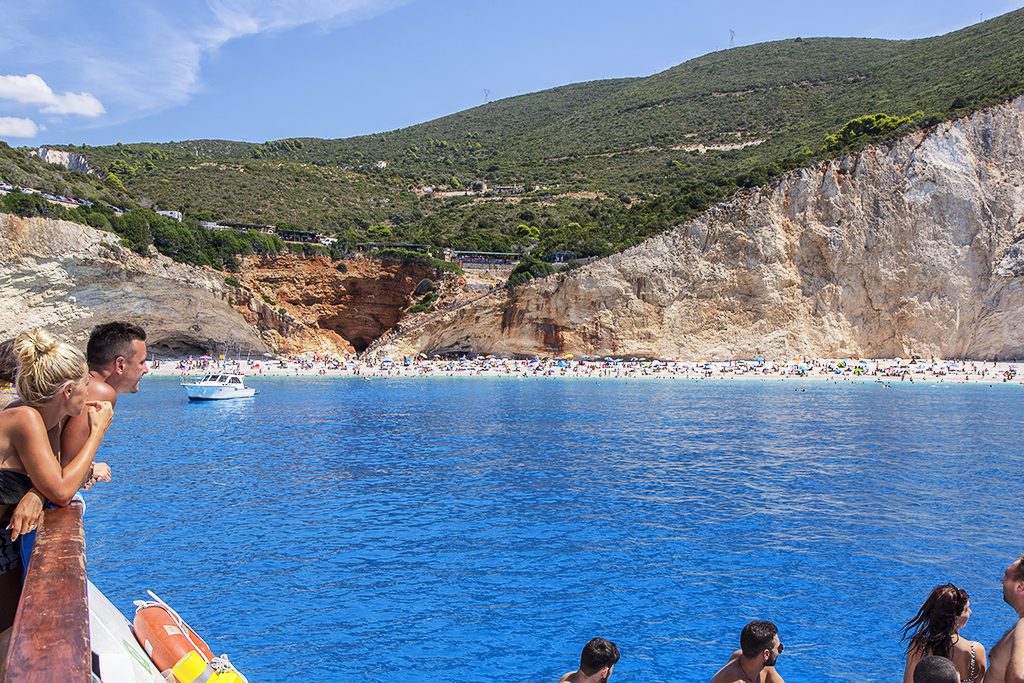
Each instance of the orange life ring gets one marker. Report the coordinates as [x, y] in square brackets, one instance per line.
[162, 637]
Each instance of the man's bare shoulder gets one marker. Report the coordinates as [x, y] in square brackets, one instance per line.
[101, 391]
[568, 677]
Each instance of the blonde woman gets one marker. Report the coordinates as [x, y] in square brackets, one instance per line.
[51, 382]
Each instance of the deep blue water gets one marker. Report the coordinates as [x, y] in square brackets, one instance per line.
[454, 529]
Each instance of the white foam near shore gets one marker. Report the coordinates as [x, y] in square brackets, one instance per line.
[885, 370]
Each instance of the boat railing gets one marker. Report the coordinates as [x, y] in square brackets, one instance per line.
[50, 637]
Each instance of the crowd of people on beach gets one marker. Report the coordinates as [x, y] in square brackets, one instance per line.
[936, 652]
[569, 366]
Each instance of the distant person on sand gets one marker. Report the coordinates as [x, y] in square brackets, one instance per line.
[935, 630]
[116, 354]
[933, 669]
[596, 663]
[754, 662]
[52, 383]
[1006, 661]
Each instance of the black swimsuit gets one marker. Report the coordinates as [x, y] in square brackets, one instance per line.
[13, 486]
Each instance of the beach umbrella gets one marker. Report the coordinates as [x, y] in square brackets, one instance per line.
[569, 355]
[205, 357]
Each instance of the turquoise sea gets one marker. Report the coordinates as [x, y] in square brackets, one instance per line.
[451, 529]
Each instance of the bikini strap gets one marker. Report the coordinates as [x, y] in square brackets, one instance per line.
[972, 660]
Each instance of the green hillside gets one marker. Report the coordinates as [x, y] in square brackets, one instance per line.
[612, 161]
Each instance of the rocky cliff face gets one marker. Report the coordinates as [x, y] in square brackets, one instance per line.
[67, 278]
[914, 248]
[341, 309]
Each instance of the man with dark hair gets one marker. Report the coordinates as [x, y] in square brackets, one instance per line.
[935, 669]
[1006, 660]
[117, 356]
[596, 663]
[754, 662]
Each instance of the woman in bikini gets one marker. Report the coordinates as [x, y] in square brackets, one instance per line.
[51, 383]
[936, 631]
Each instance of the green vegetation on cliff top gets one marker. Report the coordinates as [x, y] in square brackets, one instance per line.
[614, 161]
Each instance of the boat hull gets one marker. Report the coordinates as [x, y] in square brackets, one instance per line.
[199, 392]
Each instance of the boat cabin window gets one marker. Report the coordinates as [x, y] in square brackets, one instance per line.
[235, 380]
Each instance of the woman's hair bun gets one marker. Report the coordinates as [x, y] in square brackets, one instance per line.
[33, 344]
[45, 365]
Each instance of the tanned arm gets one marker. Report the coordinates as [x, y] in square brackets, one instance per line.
[76, 430]
[58, 484]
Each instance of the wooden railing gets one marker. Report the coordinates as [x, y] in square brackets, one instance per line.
[50, 640]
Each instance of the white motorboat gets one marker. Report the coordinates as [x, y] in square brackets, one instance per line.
[218, 386]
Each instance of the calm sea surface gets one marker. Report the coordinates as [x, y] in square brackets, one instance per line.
[464, 528]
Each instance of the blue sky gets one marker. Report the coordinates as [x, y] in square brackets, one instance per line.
[104, 71]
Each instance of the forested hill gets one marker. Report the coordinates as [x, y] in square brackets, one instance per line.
[599, 165]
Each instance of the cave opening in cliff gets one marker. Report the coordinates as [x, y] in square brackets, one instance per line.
[359, 343]
[177, 348]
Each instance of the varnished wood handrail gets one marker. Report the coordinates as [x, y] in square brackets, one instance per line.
[50, 640]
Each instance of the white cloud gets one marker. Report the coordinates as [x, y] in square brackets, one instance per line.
[11, 127]
[32, 89]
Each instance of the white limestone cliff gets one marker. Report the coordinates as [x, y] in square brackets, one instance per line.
[73, 161]
[913, 248]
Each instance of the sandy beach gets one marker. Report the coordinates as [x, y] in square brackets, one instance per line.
[853, 370]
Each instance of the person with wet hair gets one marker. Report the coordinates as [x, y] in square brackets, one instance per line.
[51, 381]
[597, 661]
[935, 630]
[754, 662]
